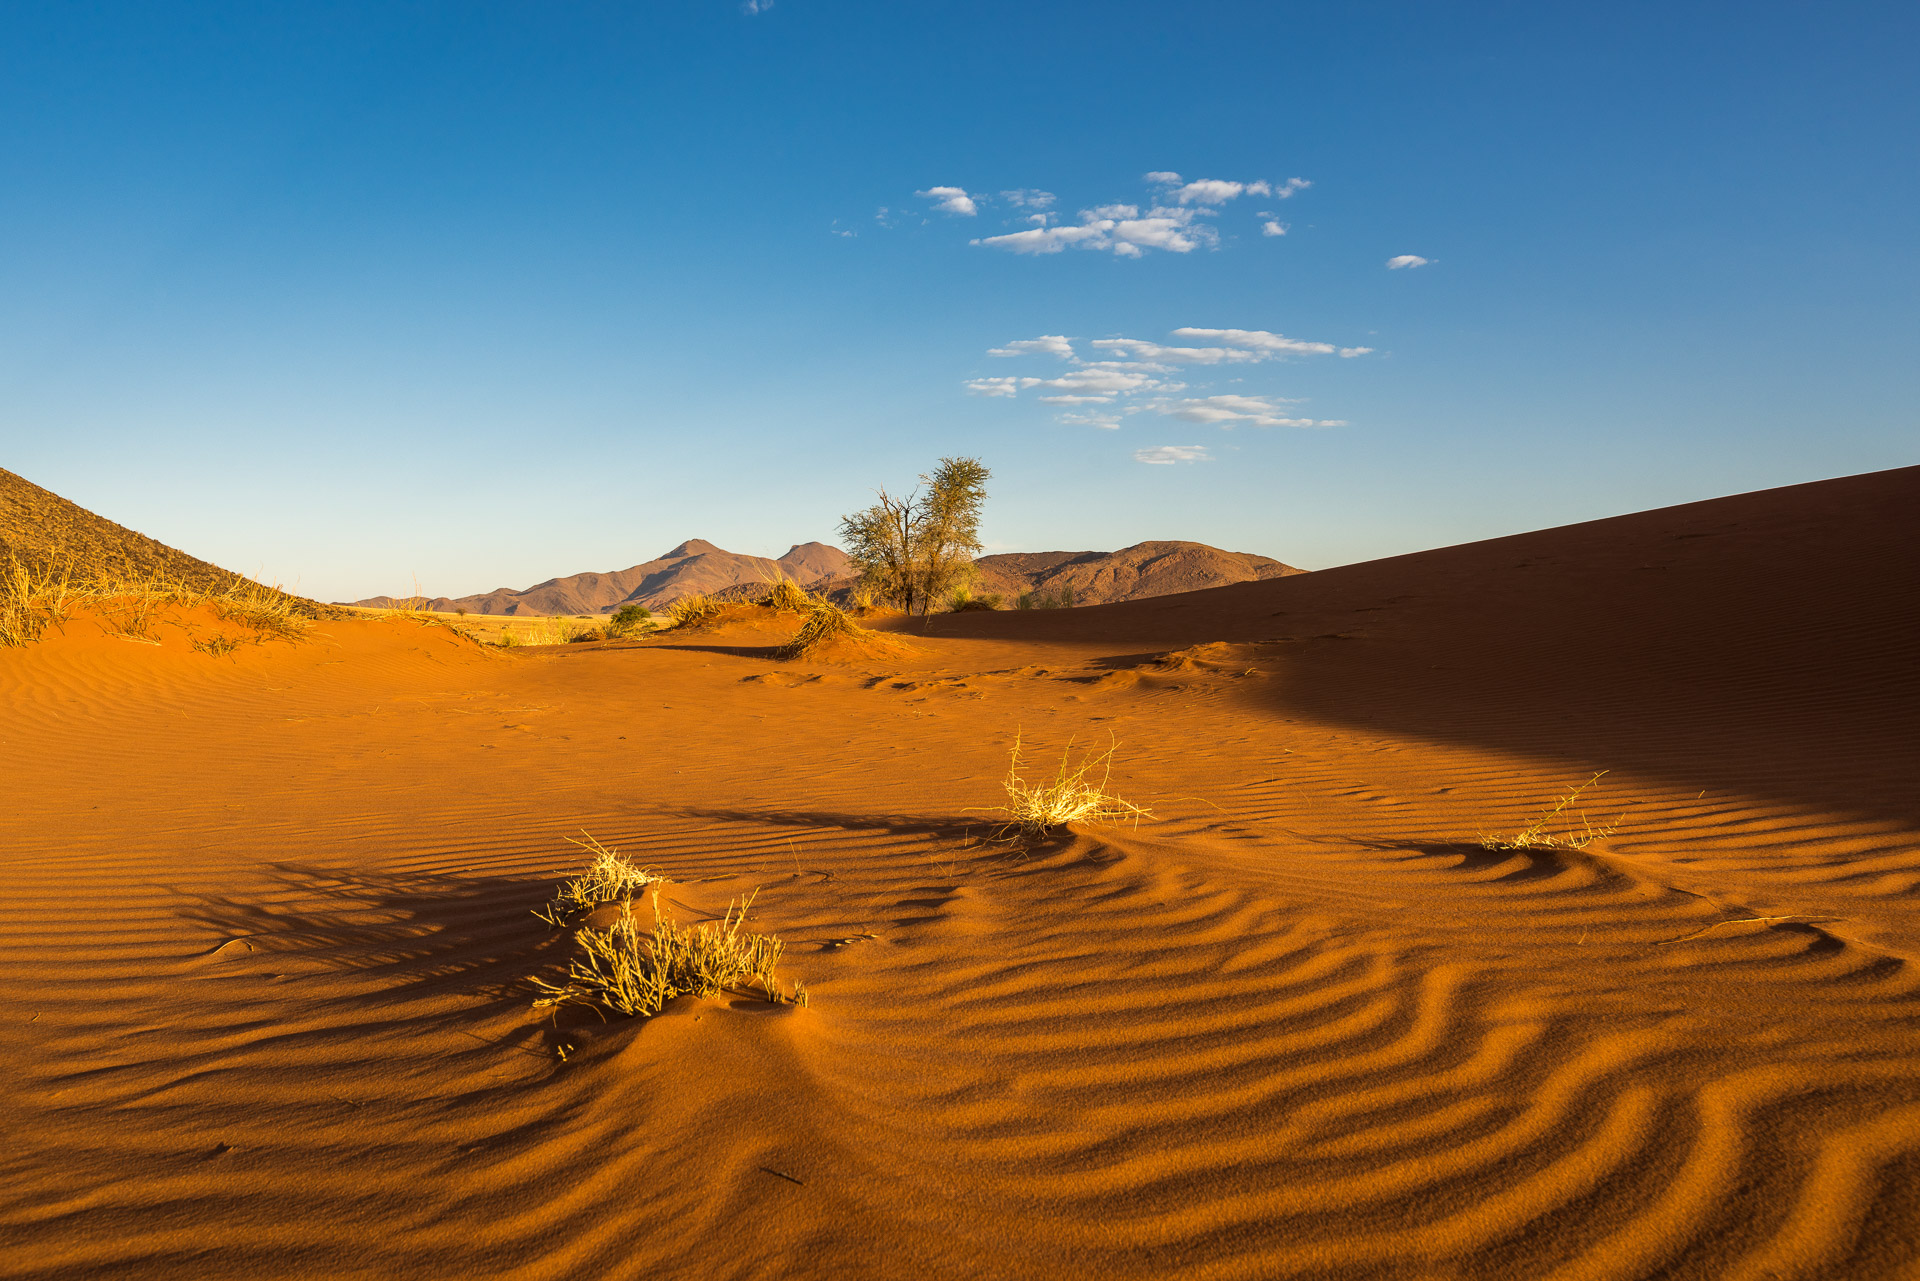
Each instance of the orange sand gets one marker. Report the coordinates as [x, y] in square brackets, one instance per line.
[266, 934]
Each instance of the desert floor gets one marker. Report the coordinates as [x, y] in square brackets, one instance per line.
[266, 935]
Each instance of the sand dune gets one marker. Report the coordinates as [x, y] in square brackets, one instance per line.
[266, 944]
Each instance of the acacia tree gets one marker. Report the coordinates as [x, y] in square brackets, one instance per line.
[914, 550]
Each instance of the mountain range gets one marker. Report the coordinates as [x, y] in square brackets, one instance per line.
[697, 566]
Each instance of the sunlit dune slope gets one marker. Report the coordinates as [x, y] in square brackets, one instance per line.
[266, 950]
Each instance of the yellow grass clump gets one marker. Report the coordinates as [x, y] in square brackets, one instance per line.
[610, 878]
[788, 596]
[618, 969]
[1535, 836]
[692, 611]
[30, 604]
[1072, 795]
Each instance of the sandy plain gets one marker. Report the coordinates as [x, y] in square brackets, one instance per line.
[266, 938]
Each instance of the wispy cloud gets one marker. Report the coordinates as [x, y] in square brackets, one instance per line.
[1134, 377]
[953, 200]
[1227, 410]
[756, 6]
[1028, 198]
[1044, 345]
[1167, 455]
[1258, 340]
[1175, 221]
[1122, 230]
[1404, 261]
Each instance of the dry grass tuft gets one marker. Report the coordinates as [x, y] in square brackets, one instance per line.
[787, 596]
[617, 969]
[1071, 796]
[30, 604]
[693, 611]
[1535, 836]
[610, 878]
[827, 628]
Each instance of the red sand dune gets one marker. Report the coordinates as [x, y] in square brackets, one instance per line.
[266, 942]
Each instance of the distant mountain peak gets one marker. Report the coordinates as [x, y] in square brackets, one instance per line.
[692, 547]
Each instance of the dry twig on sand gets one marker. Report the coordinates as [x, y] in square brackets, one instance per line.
[1535, 836]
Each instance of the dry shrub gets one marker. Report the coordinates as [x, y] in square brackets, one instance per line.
[786, 596]
[30, 604]
[1535, 836]
[827, 630]
[610, 878]
[216, 646]
[269, 611]
[693, 611]
[1071, 796]
[618, 969]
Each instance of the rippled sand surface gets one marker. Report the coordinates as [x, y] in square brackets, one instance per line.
[266, 942]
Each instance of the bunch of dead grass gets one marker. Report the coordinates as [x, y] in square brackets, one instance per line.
[30, 603]
[693, 611]
[786, 596]
[610, 878]
[619, 970]
[1536, 836]
[1072, 795]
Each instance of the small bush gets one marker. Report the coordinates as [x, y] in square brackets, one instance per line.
[1071, 796]
[692, 611]
[629, 619]
[216, 646]
[786, 596]
[620, 971]
[964, 601]
[1061, 599]
[608, 879]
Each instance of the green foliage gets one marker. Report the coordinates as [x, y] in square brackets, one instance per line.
[914, 551]
[1060, 599]
[628, 619]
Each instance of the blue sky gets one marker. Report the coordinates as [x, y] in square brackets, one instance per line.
[484, 293]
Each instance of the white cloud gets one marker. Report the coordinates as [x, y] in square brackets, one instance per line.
[1258, 340]
[1164, 178]
[1048, 240]
[756, 6]
[1028, 198]
[1407, 260]
[1225, 411]
[1044, 345]
[1170, 454]
[953, 200]
[1104, 421]
[1152, 351]
[1119, 229]
[1216, 191]
[1137, 382]
[1272, 228]
[1285, 190]
[1101, 380]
